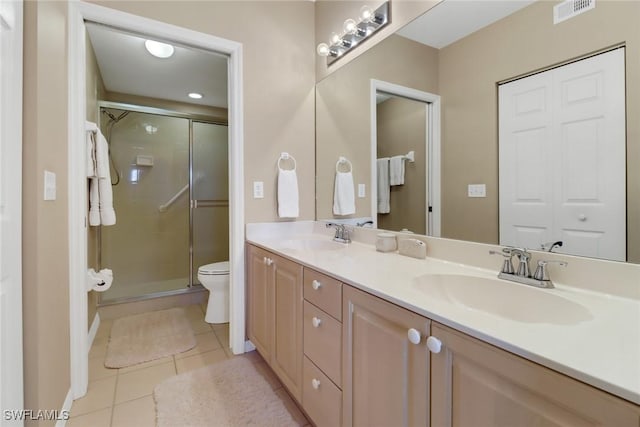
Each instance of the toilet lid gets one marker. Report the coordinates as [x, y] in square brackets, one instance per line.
[214, 269]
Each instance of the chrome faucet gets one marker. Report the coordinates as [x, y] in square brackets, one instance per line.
[363, 223]
[523, 275]
[550, 246]
[342, 232]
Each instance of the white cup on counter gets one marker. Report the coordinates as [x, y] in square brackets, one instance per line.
[386, 242]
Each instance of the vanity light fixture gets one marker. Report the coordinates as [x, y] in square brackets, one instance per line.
[195, 95]
[355, 32]
[159, 49]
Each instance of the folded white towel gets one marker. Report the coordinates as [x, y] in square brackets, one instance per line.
[101, 210]
[396, 170]
[382, 174]
[287, 194]
[344, 202]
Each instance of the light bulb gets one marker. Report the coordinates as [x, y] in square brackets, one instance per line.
[323, 49]
[158, 49]
[366, 13]
[335, 38]
[195, 95]
[349, 26]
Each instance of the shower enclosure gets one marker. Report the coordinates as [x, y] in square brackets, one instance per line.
[169, 173]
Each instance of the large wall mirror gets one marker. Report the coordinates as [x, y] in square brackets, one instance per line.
[467, 53]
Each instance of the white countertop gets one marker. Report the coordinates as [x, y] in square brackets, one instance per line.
[598, 344]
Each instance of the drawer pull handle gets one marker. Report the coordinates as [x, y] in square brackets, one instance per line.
[315, 383]
[269, 261]
[316, 285]
[316, 322]
[414, 336]
[434, 345]
[264, 260]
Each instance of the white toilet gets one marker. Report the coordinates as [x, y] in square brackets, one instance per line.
[215, 277]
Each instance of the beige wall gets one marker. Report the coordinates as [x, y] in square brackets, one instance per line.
[278, 60]
[343, 115]
[402, 127]
[331, 14]
[521, 43]
[45, 223]
[95, 91]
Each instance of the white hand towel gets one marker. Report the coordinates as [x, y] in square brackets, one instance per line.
[382, 174]
[344, 202]
[107, 213]
[102, 157]
[287, 194]
[101, 210]
[396, 170]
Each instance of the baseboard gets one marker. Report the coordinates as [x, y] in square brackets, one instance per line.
[93, 331]
[66, 410]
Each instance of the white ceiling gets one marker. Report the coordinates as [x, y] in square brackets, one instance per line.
[127, 67]
[451, 20]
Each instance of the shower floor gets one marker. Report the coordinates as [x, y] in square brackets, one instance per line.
[134, 290]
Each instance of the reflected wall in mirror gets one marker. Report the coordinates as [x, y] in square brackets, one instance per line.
[465, 72]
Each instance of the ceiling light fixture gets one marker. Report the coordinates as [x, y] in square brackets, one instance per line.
[158, 49]
[354, 32]
[195, 95]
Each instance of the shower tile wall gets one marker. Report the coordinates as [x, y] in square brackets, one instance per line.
[147, 246]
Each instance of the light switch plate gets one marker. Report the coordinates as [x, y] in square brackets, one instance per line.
[362, 190]
[49, 185]
[477, 190]
[258, 190]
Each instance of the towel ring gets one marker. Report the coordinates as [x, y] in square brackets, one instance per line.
[343, 160]
[286, 156]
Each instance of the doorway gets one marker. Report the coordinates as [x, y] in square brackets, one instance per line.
[78, 13]
[419, 103]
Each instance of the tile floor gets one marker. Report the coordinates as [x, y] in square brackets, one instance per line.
[124, 397]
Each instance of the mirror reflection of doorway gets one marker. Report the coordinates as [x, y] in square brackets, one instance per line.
[405, 127]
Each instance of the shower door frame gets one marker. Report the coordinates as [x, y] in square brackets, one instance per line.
[191, 117]
[78, 12]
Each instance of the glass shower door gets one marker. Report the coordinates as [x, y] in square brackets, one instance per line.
[148, 247]
[210, 195]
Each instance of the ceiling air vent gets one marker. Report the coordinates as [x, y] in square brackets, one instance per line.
[570, 8]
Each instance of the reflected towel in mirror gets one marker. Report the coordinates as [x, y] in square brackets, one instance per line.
[382, 174]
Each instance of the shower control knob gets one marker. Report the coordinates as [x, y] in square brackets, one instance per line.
[316, 285]
[582, 217]
[316, 322]
[315, 383]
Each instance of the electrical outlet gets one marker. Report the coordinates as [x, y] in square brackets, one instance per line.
[258, 190]
[361, 190]
[477, 190]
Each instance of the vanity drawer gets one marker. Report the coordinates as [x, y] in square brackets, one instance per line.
[324, 292]
[321, 399]
[323, 341]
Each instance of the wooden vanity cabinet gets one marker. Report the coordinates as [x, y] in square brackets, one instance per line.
[385, 378]
[476, 384]
[274, 326]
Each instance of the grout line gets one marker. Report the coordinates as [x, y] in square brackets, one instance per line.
[113, 401]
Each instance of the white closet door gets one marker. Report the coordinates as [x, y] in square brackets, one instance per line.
[562, 158]
[589, 133]
[11, 380]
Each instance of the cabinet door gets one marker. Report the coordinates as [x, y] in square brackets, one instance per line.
[476, 384]
[260, 300]
[385, 376]
[287, 352]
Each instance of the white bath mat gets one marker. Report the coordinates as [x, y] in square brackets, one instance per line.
[231, 394]
[148, 336]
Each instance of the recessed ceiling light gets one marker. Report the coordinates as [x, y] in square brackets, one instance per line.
[195, 95]
[158, 49]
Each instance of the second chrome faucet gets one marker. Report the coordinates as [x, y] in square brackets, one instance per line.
[540, 277]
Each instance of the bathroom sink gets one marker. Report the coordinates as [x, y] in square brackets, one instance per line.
[311, 244]
[502, 298]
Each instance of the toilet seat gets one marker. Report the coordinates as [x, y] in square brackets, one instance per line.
[214, 269]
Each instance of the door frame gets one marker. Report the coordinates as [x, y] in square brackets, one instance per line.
[11, 321]
[433, 219]
[79, 12]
